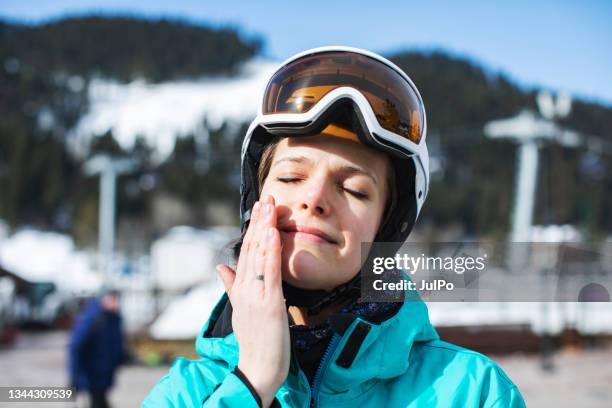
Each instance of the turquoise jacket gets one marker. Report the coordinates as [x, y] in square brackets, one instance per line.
[399, 363]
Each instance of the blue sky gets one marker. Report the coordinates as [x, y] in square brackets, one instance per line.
[561, 45]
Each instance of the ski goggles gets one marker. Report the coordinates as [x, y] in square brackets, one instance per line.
[301, 92]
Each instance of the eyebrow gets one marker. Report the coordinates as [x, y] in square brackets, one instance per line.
[344, 169]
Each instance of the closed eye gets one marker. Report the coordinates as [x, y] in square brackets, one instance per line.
[288, 179]
[357, 194]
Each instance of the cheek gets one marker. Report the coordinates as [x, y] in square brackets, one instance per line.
[273, 190]
[363, 225]
[282, 199]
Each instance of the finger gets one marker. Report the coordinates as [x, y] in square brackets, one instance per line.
[259, 263]
[227, 275]
[255, 211]
[274, 215]
[273, 280]
[257, 245]
[268, 219]
[243, 259]
[269, 216]
[269, 223]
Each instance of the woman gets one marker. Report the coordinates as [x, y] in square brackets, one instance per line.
[336, 157]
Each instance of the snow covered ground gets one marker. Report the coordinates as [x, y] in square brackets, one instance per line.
[39, 256]
[185, 317]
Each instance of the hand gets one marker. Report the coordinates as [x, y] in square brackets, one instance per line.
[259, 316]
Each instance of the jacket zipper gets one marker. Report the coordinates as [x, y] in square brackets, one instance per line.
[316, 383]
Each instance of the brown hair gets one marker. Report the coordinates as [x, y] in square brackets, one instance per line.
[266, 162]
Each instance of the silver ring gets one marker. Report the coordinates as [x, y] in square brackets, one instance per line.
[259, 277]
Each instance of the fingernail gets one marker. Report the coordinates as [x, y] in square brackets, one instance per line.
[268, 209]
[270, 232]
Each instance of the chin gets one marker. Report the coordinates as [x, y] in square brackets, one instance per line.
[306, 271]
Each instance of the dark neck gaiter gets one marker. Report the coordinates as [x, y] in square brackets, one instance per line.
[316, 300]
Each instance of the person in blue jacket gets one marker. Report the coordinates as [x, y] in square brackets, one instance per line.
[96, 347]
[336, 157]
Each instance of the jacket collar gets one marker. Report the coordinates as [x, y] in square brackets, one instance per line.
[365, 351]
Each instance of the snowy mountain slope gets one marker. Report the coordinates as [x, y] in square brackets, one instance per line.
[161, 112]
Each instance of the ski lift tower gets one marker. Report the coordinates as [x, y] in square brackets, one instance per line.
[528, 130]
[109, 169]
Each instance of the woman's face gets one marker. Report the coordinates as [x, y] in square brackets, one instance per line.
[330, 195]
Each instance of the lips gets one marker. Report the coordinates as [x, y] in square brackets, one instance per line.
[301, 229]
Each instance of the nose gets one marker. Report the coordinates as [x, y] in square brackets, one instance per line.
[315, 198]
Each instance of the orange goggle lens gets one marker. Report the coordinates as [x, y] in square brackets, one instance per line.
[299, 85]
